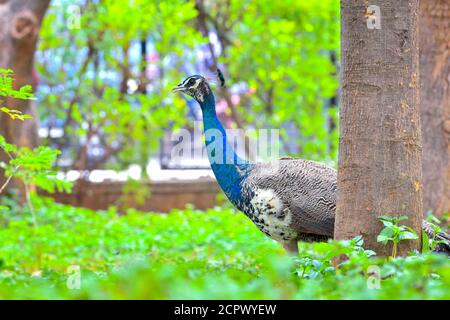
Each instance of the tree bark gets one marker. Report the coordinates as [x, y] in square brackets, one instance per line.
[20, 21]
[434, 46]
[380, 139]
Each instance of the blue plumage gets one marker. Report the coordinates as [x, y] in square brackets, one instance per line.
[228, 167]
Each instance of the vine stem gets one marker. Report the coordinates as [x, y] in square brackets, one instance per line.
[5, 184]
[2, 188]
[10, 177]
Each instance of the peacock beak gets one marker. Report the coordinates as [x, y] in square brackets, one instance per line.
[179, 88]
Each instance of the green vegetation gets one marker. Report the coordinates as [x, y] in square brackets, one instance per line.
[106, 78]
[191, 254]
[281, 57]
[31, 167]
[7, 90]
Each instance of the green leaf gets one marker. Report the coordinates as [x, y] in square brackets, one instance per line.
[385, 235]
[408, 235]
[388, 224]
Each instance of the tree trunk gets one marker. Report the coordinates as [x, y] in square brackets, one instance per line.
[435, 103]
[20, 21]
[380, 139]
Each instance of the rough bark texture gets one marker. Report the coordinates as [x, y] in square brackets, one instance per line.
[20, 21]
[434, 46]
[380, 139]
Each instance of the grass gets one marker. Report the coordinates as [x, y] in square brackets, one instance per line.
[190, 254]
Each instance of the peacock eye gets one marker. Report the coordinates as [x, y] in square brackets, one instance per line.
[191, 82]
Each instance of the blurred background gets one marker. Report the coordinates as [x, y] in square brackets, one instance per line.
[103, 73]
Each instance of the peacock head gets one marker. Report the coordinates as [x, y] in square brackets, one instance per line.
[195, 86]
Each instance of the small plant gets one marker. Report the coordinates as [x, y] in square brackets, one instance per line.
[394, 232]
[32, 167]
[317, 259]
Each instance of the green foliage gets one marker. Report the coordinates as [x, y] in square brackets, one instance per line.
[133, 193]
[282, 50]
[394, 232]
[279, 51]
[32, 167]
[317, 262]
[7, 90]
[96, 86]
[217, 254]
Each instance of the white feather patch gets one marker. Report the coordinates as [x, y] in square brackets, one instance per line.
[268, 207]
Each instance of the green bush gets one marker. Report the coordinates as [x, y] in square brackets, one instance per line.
[211, 254]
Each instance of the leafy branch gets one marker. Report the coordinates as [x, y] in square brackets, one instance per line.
[32, 167]
[7, 90]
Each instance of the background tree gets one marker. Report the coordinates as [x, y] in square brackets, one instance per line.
[109, 89]
[380, 140]
[434, 46]
[280, 52]
[20, 21]
[109, 92]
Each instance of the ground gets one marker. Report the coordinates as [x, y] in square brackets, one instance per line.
[215, 254]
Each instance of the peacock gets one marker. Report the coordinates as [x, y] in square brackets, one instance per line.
[289, 200]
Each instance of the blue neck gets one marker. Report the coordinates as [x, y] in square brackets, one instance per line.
[227, 166]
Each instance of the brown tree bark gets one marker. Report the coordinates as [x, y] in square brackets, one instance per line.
[434, 43]
[380, 139]
[20, 21]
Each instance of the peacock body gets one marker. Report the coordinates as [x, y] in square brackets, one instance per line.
[289, 200]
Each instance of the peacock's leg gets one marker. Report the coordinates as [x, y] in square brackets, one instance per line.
[291, 247]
